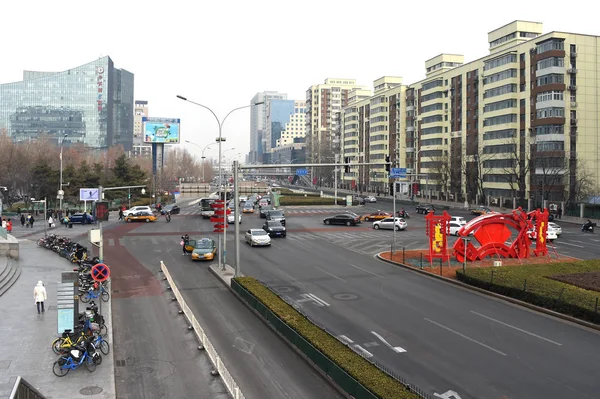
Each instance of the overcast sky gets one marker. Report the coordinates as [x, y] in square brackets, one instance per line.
[220, 53]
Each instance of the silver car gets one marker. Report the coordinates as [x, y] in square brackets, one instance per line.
[388, 223]
[257, 237]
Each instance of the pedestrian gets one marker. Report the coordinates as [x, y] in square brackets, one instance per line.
[39, 295]
[22, 220]
[18, 211]
[4, 223]
[120, 213]
[185, 240]
[31, 220]
[559, 212]
[50, 222]
[9, 226]
[65, 221]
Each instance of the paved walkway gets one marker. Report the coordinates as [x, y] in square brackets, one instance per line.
[26, 336]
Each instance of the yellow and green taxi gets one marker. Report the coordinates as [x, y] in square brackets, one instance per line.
[378, 215]
[143, 216]
[204, 249]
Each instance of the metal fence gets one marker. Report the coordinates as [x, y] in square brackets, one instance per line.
[23, 390]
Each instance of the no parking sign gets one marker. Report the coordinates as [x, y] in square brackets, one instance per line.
[100, 272]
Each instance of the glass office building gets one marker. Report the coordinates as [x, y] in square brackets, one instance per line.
[90, 104]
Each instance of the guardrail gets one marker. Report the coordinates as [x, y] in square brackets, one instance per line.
[228, 380]
[3, 233]
[23, 390]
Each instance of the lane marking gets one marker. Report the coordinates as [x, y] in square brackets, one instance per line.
[465, 337]
[345, 339]
[447, 395]
[516, 328]
[365, 352]
[370, 344]
[365, 270]
[330, 274]
[396, 349]
[318, 300]
[566, 243]
[111, 242]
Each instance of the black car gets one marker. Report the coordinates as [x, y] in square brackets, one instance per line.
[274, 228]
[265, 209]
[174, 209]
[343, 219]
[425, 208]
[276, 215]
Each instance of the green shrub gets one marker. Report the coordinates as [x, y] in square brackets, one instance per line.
[533, 284]
[309, 200]
[362, 370]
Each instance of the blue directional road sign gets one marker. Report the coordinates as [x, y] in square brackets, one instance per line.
[301, 172]
[398, 173]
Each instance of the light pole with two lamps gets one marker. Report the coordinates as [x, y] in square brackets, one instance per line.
[220, 140]
[33, 200]
[61, 193]
[203, 157]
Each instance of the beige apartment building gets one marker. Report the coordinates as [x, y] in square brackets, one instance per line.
[140, 149]
[521, 122]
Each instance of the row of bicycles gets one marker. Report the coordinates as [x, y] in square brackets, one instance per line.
[85, 344]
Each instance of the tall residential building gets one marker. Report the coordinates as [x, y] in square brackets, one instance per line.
[90, 104]
[258, 123]
[140, 149]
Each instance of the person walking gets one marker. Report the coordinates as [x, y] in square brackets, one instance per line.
[50, 222]
[39, 296]
[120, 213]
[185, 240]
[31, 220]
[22, 220]
[9, 226]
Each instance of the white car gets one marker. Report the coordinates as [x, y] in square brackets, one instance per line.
[257, 237]
[459, 220]
[554, 227]
[243, 198]
[371, 199]
[231, 218]
[455, 226]
[136, 209]
[388, 224]
[550, 235]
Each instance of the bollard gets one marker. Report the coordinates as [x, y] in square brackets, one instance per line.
[403, 255]
[392, 251]
[421, 260]
[200, 347]
[492, 279]
[525, 285]
[214, 373]
[164, 278]
[173, 298]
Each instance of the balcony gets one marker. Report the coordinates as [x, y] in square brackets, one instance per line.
[410, 128]
[572, 70]
[573, 104]
[410, 149]
[572, 87]
[410, 107]
[573, 121]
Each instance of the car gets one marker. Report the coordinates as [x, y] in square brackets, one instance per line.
[243, 198]
[342, 219]
[390, 223]
[263, 202]
[358, 200]
[371, 199]
[174, 209]
[377, 215]
[274, 228]
[550, 234]
[480, 210]
[231, 218]
[556, 228]
[83, 218]
[458, 219]
[424, 208]
[257, 237]
[455, 227]
[135, 209]
[142, 216]
[248, 208]
[265, 209]
[276, 215]
[204, 249]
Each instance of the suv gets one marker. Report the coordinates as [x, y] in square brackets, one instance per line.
[425, 208]
[276, 215]
[136, 209]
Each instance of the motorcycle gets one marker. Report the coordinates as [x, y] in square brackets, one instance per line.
[588, 227]
[403, 215]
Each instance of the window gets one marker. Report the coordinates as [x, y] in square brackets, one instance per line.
[550, 113]
[432, 96]
[431, 142]
[549, 129]
[553, 44]
[499, 163]
[498, 91]
[431, 130]
[550, 96]
[432, 107]
[432, 119]
[512, 103]
[500, 134]
[522, 102]
[496, 77]
[550, 79]
[550, 62]
[506, 59]
[499, 149]
[503, 39]
[551, 146]
[431, 85]
[498, 120]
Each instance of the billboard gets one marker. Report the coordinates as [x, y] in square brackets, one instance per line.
[161, 130]
[89, 194]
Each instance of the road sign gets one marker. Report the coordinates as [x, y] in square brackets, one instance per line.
[301, 172]
[398, 173]
[100, 272]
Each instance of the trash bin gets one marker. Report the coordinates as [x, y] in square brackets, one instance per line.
[70, 225]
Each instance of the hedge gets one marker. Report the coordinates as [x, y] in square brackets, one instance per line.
[371, 377]
[534, 284]
[288, 200]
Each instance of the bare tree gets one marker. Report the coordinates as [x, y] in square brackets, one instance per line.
[476, 169]
[518, 166]
[440, 165]
[581, 184]
[550, 174]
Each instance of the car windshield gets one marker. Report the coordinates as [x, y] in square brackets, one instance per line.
[248, 206]
[258, 233]
[275, 213]
[204, 244]
[273, 224]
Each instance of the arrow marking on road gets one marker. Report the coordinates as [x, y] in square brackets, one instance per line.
[465, 337]
[396, 349]
[370, 344]
[516, 328]
[447, 395]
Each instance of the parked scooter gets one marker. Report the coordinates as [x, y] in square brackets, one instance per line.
[588, 227]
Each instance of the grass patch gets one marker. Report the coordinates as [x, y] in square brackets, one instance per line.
[362, 370]
[535, 284]
[302, 200]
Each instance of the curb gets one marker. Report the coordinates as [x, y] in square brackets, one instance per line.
[481, 291]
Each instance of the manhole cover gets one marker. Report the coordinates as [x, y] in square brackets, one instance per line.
[284, 289]
[90, 391]
[144, 370]
[345, 296]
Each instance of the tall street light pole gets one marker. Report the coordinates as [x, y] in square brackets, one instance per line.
[203, 149]
[61, 193]
[219, 140]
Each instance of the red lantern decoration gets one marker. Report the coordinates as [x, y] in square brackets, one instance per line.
[219, 219]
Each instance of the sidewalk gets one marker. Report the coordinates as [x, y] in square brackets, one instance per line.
[21, 232]
[26, 336]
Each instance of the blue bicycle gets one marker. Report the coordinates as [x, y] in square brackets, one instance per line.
[81, 354]
[101, 293]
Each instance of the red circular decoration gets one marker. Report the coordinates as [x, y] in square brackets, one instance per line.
[100, 272]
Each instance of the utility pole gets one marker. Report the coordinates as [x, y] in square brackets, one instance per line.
[236, 218]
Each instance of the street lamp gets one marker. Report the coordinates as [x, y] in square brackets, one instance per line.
[61, 193]
[220, 140]
[45, 212]
[203, 157]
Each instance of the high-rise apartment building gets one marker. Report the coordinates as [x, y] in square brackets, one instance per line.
[140, 149]
[90, 104]
[520, 122]
[258, 123]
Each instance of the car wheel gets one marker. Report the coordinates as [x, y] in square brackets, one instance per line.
[376, 226]
[397, 228]
[348, 223]
[326, 221]
[456, 234]
[147, 220]
[367, 219]
[128, 220]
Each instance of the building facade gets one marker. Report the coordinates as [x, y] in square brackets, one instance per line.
[140, 149]
[258, 123]
[279, 114]
[294, 130]
[90, 104]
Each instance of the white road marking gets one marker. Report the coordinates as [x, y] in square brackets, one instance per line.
[516, 328]
[365, 352]
[370, 344]
[365, 270]
[122, 242]
[111, 242]
[465, 337]
[447, 395]
[396, 349]
[328, 273]
[318, 300]
[573, 245]
[345, 339]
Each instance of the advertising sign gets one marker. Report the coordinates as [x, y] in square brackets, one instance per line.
[161, 130]
[89, 194]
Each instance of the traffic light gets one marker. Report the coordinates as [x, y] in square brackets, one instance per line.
[129, 196]
[387, 163]
[346, 167]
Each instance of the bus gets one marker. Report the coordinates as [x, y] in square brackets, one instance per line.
[206, 209]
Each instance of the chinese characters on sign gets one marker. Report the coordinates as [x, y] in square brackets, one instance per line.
[100, 71]
[437, 228]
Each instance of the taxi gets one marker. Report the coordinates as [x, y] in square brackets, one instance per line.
[143, 216]
[378, 215]
[204, 249]
[248, 208]
[481, 210]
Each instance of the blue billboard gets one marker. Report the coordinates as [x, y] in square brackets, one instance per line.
[161, 130]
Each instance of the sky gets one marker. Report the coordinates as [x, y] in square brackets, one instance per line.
[221, 53]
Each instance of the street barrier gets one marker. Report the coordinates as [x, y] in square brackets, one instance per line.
[228, 380]
[24, 390]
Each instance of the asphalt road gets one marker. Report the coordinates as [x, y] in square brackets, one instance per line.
[440, 337]
[262, 364]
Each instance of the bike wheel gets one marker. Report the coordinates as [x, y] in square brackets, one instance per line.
[90, 365]
[41, 242]
[97, 358]
[85, 298]
[58, 370]
[105, 296]
[104, 347]
[57, 344]
[103, 331]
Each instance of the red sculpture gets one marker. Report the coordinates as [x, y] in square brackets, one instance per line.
[494, 235]
[436, 227]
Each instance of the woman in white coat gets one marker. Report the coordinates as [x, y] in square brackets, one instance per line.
[39, 295]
